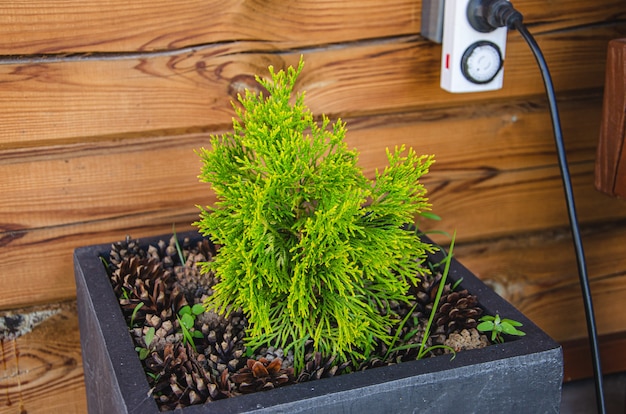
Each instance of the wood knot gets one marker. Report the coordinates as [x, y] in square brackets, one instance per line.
[240, 83]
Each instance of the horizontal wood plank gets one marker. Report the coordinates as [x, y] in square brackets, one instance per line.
[103, 180]
[508, 203]
[44, 258]
[518, 201]
[537, 272]
[43, 370]
[481, 138]
[161, 25]
[56, 103]
[33, 27]
[577, 356]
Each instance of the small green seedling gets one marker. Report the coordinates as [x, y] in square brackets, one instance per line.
[155, 377]
[134, 314]
[148, 338]
[107, 267]
[498, 326]
[187, 319]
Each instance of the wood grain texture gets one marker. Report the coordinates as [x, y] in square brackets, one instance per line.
[577, 361]
[104, 102]
[50, 251]
[43, 370]
[537, 272]
[161, 25]
[99, 192]
[103, 180]
[56, 103]
[55, 26]
[496, 206]
[611, 158]
[519, 201]
[97, 183]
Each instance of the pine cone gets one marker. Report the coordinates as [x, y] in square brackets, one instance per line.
[262, 375]
[221, 388]
[466, 339]
[224, 349]
[194, 283]
[425, 293]
[225, 353]
[181, 380]
[317, 367]
[458, 311]
[164, 252]
[145, 281]
[125, 249]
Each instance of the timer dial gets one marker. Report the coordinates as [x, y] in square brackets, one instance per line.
[481, 62]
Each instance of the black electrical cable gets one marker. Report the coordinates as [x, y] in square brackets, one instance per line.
[486, 16]
[571, 209]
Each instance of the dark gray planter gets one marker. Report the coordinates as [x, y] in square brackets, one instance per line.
[520, 376]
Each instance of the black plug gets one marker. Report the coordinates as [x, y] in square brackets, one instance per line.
[487, 15]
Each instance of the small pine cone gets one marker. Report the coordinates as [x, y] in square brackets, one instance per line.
[125, 249]
[203, 251]
[224, 353]
[192, 281]
[271, 353]
[221, 387]
[457, 311]
[134, 269]
[165, 253]
[211, 320]
[317, 367]
[181, 381]
[262, 375]
[224, 347]
[145, 281]
[425, 293]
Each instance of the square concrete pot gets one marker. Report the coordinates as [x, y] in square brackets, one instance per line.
[523, 375]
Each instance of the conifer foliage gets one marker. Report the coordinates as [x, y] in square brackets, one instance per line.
[312, 250]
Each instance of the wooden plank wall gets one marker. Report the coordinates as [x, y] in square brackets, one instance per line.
[103, 104]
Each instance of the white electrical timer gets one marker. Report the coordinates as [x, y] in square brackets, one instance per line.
[471, 61]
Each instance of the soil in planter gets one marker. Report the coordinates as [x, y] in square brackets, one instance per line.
[195, 359]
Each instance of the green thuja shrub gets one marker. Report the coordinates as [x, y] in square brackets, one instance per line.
[311, 248]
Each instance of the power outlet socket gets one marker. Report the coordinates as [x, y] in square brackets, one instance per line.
[471, 61]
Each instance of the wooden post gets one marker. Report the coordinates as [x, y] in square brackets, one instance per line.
[611, 156]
